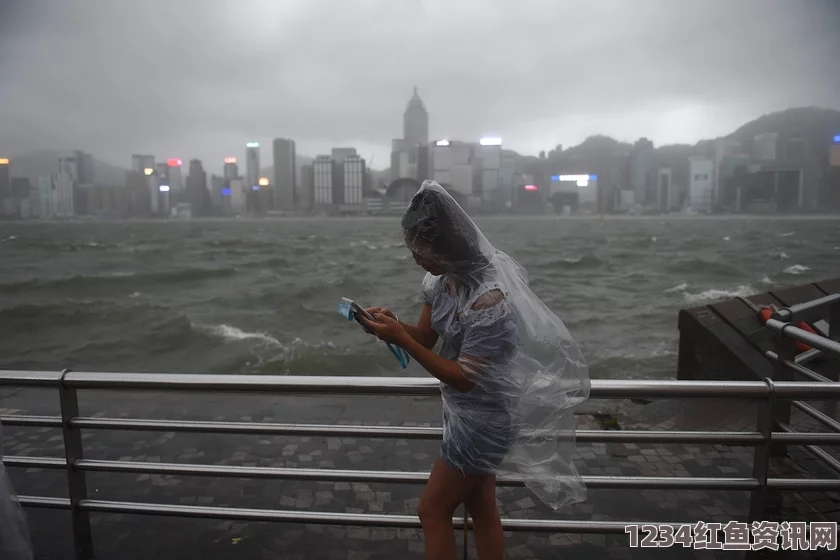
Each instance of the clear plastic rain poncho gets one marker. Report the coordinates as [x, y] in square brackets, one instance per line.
[528, 372]
[14, 533]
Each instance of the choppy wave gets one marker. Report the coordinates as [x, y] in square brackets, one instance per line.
[678, 288]
[796, 269]
[587, 260]
[236, 334]
[190, 274]
[717, 294]
[260, 296]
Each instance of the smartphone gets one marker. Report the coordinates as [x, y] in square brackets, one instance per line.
[358, 311]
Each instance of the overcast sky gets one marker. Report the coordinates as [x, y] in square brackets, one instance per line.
[200, 78]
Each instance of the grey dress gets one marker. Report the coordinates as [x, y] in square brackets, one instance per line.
[477, 424]
[14, 534]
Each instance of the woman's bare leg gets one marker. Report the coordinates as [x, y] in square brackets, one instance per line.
[481, 505]
[446, 489]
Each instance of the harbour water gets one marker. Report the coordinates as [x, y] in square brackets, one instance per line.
[260, 296]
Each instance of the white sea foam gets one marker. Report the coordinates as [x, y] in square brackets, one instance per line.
[235, 334]
[788, 234]
[796, 269]
[715, 294]
[679, 288]
[766, 280]
[726, 238]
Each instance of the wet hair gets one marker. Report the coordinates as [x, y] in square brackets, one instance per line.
[435, 218]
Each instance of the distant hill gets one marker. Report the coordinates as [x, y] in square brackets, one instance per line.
[814, 124]
[45, 162]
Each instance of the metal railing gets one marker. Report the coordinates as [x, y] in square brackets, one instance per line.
[789, 363]
[772, 395]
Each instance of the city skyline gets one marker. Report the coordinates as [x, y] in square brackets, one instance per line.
[600, 76]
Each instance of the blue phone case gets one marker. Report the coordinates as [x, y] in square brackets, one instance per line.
[345, 309]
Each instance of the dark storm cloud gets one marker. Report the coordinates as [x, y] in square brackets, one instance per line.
[200, 78]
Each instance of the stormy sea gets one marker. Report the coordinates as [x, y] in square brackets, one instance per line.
[260, 296]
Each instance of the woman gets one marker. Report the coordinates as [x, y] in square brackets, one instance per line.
[510, 374]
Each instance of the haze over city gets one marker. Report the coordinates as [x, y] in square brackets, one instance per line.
[199, 79]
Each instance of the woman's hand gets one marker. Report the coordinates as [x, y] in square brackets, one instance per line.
[387, 328]
[383, 310]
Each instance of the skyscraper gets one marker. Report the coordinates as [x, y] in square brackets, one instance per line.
[415, 125]
[340, 154]
[176, 182]
[197, 194]
[84, 165]
[354, 178]
[252, 164]
[285, 186]
[231, 170]
[642, 180]
[323, 179]
[63, 204]
[5, 184]
[140, 163]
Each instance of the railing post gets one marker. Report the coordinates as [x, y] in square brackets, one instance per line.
[761, 454]
[832, 359]
[785, 351]
[76, 481]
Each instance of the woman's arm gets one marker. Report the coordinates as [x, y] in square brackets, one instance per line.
[423, 332]
[448, 371]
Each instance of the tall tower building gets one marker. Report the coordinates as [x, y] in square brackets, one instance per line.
[140, 163]
[65, 182]
[176, 182]
[84, 164]
[252, 164]
[323, 168]
[285, 174]
[197, 194]
[231, 170]
[340, 154]
[354, 178]
[415, 125]
[5, 184]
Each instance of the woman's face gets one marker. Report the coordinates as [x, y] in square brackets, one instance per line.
[425, 257]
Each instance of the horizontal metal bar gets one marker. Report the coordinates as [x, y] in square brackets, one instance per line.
[19, 378]
[814, 340]
[678, 437]
[21, 461]
[670, 388]
[806, 438]
[410, 386]
[829, 391]
[807, 310]
[803, 484]
[259, 428]
[409, 477]
[353, 519]
[817, 415]
[292, 384]
[403, 432]
[44, 502]
[31, 421]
